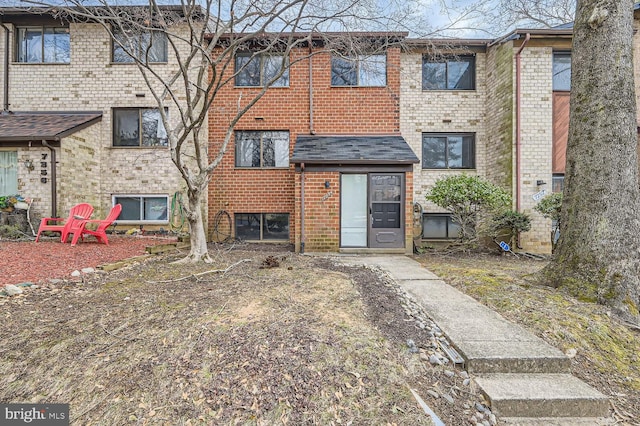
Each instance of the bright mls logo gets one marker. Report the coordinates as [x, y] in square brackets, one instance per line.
[34, 414]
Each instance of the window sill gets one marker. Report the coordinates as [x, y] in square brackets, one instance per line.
[40, 63]
[142, 222]
[260, 87]
[470, 169]
[133, 63]
[262, 168]
[448, 90]
[140, 147]
[359, 87]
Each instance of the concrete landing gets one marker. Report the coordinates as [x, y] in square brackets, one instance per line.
[520, 374]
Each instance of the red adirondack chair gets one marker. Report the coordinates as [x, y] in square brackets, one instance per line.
[101, 231]
[77, 214]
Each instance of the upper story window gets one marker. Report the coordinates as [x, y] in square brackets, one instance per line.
[147, 46]
[363, 70]
[257, 70]
[562, 71]
[43, 45]
[262, 149]
[448, 151]
[138, 127]
[449, 72]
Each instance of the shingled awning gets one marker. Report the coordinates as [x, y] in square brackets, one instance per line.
[50, 126]
[373, 149]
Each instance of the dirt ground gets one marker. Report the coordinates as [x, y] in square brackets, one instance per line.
[242, 341]
[264, 336]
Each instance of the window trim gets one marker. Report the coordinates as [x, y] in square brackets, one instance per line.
[448, 223]
[359, 59]
[261, 57]
[140, 133]
[426, 58]
[447, 135]
[114, 44]
[261, 167]
[261, 226]
[42, 28]
[142, 221]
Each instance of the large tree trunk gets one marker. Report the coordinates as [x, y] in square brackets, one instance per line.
[598, 254]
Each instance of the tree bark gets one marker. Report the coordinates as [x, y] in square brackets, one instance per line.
[598, 254]
[197, 235]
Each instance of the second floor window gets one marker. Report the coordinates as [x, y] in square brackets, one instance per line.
[562, 71]
[449, 73]
[260, 70]
[448, 151]
[138, 127]
[43, 45]
[364, 70]
[262, 149]
[146, 46]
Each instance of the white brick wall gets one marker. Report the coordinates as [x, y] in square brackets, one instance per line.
[90, 168]
[442, 111]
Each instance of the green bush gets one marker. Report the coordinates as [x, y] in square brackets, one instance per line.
[510, 222]
[471, 200]
[550, 207]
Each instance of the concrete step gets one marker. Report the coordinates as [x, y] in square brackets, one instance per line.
[541, 396]
[525, 356]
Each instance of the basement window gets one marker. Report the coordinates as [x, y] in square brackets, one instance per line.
[262, 226]
[150, 209]
[439, 226]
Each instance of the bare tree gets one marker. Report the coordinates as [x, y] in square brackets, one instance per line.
[204, 37]
[598, 254]
[536, 13]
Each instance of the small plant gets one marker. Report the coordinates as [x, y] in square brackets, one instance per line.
[7, 202]
[510, 222]
[471, 200]
[550, 207]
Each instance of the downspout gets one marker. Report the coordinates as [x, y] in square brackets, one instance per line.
[312, 130]
[302, 235]
[5, 103]
[518, 119]
[54, 195]
[518, 126]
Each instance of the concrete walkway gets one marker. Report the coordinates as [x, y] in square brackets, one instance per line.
[525, 380]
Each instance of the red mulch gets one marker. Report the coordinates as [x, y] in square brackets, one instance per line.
[37, 262]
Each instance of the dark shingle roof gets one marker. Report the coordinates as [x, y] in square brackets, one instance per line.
[374, 149]
[36, 126]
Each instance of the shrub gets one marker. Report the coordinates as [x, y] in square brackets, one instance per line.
[550, 207]
[471, 200]
[512, 222]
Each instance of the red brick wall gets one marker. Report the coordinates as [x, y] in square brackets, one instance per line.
[336, 110]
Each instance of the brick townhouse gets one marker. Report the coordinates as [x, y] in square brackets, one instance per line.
[78, 122]
[319, 161]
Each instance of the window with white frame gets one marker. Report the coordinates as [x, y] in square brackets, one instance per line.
[448, 72]
[257, 70]
[8, 172]
[262, 149]
[138, 127]
[439, 226]
[48, 45]
[262, 226]
[143, 208]
[448, 151]
[146, 46]
[361, 70]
